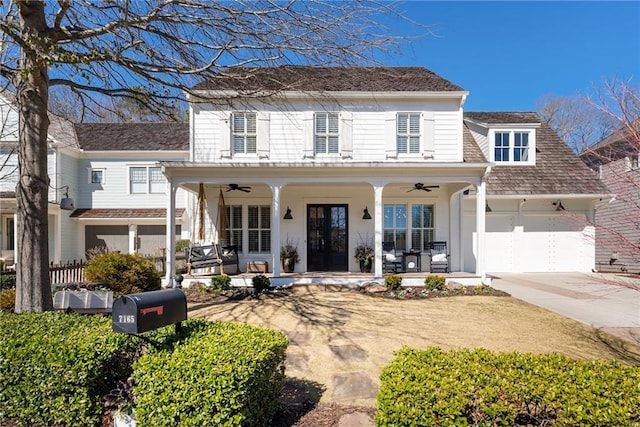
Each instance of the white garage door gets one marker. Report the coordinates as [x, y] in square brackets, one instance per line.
[554, 243]
[499, 240]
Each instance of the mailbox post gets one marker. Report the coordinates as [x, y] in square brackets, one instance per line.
[137, 313]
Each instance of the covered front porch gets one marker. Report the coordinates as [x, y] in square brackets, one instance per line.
[326, 211]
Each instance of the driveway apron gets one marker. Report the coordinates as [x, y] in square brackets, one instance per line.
[609, 302]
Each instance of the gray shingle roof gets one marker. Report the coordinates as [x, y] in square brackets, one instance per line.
[503, 117]
[330, 79]
[472, 151]
[132, 136]
[557, 171]
[123, 213]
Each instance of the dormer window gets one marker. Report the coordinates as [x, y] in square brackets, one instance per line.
[513, 146]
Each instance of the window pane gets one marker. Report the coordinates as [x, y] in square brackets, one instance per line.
[402, 145]
[253, 217]
[254, 242]
[401, 216]
[238, 123]
[333, 144]
[265, 241]
[402, 124]
[321, 144]
[138, 174]
[333, 123]
[265, 217]
[388, 216]
[414, 124]
[251, 144]
[251, 123]
[414, 144]
[96, 176]
[321, 123]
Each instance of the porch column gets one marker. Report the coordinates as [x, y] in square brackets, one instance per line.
[133, 235]
[171, 234]
[481, 202]
[378, 228]
[275, 229]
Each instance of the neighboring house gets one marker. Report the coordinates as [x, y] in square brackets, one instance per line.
[615, 161]
[314, 148]
[111, 173]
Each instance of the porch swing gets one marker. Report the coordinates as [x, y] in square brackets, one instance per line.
[213, 255]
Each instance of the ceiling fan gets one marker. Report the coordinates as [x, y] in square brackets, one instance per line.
[234, 187]
[421, 186]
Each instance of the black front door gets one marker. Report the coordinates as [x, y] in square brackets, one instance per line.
[327, 238]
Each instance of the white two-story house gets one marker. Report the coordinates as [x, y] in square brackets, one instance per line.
[110, 173]
[328, 158]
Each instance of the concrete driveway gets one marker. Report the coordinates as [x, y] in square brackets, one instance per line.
[610, 302]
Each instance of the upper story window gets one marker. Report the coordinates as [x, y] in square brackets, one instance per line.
[244, 132]
[633, 162]
[146, 179]
[408, 133]
[326, 133]
[97, 176]
[513, 146]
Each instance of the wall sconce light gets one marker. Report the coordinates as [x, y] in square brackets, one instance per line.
[66, 203]
[558, 206]
[487, 208]
[366, 215]
[287, 214]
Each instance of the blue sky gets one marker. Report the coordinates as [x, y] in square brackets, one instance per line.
[510, 54]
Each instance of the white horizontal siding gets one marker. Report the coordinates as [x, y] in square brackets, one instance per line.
[8, 122]
[114, 193]
[287, 130]
[448, 136]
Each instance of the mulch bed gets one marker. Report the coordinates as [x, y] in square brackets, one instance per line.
[201, 295]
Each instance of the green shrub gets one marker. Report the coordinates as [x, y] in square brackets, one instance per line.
[482, 388]
[181, 245]
[224, 375]
[7, 281]
[393, 282]
[7, 300]
[123, 273]
[221, 282]
[260, 283]
[55, 367]
[434, 282]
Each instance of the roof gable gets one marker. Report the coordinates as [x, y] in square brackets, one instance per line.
[330, 79]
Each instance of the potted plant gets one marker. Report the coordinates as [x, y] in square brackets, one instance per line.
[289, 257]
[364, 255]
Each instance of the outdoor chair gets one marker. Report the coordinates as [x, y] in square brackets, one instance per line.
[439, 257]
[390, 260]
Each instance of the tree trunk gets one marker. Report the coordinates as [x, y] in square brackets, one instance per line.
[33, 290]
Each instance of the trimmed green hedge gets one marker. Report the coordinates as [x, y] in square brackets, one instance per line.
[123, 273]
[224, 374]
[482, 388]
[55, 367]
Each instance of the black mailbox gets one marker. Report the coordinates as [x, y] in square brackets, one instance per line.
[137, 313]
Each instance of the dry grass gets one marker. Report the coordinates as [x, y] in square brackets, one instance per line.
[373, 328]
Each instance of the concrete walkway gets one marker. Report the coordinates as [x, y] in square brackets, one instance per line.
[610, 302]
